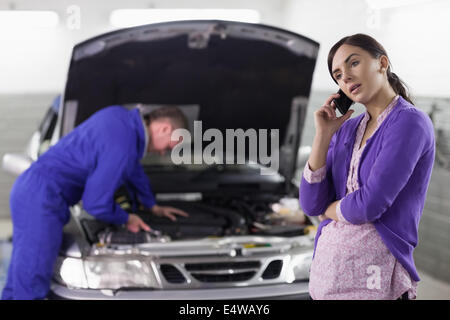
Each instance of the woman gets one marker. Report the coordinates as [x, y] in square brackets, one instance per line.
[366, 179]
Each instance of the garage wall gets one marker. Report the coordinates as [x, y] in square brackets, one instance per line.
[36, 60]
[414, 34]
[20, 117]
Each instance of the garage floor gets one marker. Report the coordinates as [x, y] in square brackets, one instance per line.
[428, 289]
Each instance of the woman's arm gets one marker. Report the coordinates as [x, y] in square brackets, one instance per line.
[331, 212]
[316, 193]
[317, 190]
[405, 141]
[318, 157]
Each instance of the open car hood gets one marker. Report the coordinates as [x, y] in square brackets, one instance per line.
[240, 75]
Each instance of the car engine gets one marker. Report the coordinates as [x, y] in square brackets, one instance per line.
[210, 216]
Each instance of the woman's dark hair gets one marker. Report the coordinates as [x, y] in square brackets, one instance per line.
[375, 49]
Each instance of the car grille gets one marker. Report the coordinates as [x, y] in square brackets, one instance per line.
[241, 276]
[222, 271]
[213, 272]
[172, 274]
[222, 265]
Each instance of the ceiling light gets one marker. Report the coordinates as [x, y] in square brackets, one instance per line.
[387, 4]
[134, 17]
[28, 19]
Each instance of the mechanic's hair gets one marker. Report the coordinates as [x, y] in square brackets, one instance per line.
[376, 50]
[174, 114]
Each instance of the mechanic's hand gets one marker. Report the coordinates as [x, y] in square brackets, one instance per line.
[168, 212]
[325, 118]
[135, 223]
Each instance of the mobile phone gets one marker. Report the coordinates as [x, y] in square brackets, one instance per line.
[342, 103]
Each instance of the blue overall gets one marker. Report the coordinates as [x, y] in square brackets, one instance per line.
[88, 164]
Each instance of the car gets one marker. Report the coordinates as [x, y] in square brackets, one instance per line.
[246, 236]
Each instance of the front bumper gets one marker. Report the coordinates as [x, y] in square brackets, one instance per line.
[296, 290]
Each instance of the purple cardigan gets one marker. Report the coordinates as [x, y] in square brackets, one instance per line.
[393, 175]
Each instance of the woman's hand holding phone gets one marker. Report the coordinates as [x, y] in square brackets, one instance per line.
[326, 124]
[325, 118]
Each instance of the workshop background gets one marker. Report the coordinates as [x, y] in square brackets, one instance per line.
[35, 53]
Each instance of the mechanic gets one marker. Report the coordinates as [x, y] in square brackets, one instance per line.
[88, 164]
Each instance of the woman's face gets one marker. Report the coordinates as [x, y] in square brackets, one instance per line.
[354, 66]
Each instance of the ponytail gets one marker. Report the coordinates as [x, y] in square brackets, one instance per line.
[398, 85]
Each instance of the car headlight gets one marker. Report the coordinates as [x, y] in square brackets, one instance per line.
[105, 273]
[70, 272]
